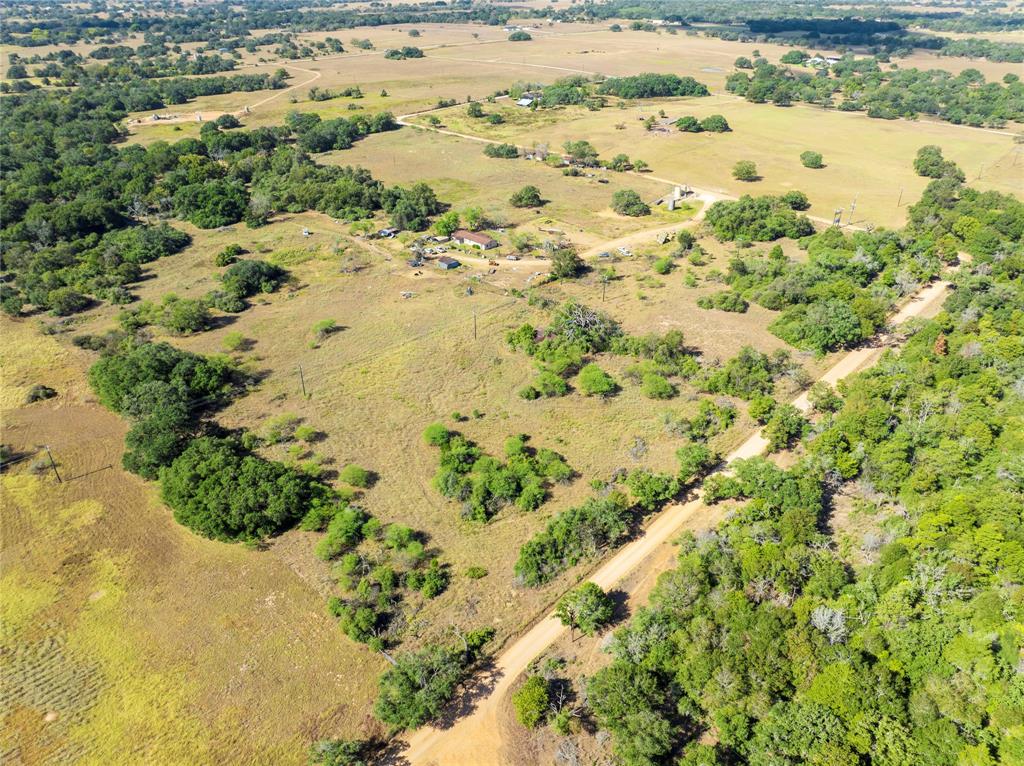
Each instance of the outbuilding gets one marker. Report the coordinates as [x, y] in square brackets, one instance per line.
[447, 264]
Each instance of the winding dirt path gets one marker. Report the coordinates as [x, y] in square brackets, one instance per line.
[476, 739]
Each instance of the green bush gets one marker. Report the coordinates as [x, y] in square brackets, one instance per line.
[531, 701]
[812, 160]
[356, 476]
[594, 381]
[628, 202]
[655, 386]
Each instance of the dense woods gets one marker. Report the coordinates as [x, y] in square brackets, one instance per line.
[860, 85]
[80, 216]
[768, 638]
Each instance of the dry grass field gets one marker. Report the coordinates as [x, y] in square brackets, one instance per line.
[867, 160]
[125, 638]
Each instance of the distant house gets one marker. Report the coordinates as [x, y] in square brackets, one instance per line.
[473, 239]
[447, 264]
[525, 101]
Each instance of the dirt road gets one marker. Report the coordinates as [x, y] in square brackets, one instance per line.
[475, 739]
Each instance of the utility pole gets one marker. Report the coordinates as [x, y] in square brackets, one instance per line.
[53, 465]
[474, 324]
[302, 380]
[604, 289]
[900, 199]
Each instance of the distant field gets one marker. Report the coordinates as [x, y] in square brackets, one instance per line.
[867, 160]
[465, 65]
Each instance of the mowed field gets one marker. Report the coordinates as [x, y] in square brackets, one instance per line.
[126, 639]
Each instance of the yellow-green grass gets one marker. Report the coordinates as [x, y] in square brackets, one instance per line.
[400, 363]
[126, 638]
[867, 160]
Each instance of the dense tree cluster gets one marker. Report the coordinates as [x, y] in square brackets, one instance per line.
[860, 85]
[484, 484]
[77, 210]
[650, 85]
[759, 219]
[765, 646]
[419, 684]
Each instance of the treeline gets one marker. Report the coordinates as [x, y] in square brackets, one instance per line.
[77, 210]
[650, 85]
[788, 648]
[860, 85]
[155, 94]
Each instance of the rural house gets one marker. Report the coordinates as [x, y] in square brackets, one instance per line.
[474, 239]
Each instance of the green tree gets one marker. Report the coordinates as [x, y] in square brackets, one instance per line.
[447, 223]
[418, 686]
[565, 264]
[745, 170]
[628, 202]
[528, 196]
[812, 160]
[715, 123]
[356, 476]
[585, 608]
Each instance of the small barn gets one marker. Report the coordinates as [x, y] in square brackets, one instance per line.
[446, 263]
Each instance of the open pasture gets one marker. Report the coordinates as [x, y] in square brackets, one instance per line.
[866, 160]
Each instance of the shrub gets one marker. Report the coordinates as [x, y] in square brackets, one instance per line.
[785, 424]
[228, 255]
[476, 573]
[594, 381]
[65, 300]
[812, 160]
[436, 435]
[356, 476]
[727, 300]
[519, 36]
[565, 264]
[502, 151]
[795, 200]
[307, 434]
[218, 490]
[655, 386]
[745, 170]
[39, 393]
[663, 265]
[761, 408]
[233, 341]
[531, 702]
[689, 124]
